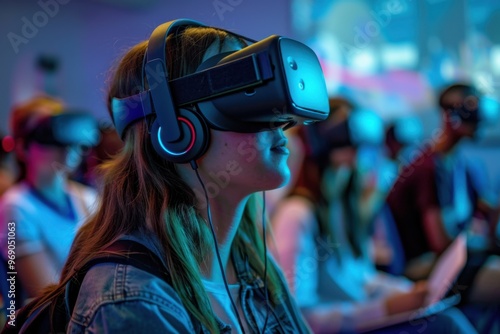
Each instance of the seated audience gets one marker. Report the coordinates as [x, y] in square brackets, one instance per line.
[437, 196]
[322, 231]
[44, 207]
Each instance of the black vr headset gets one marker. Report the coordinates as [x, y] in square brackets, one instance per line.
[485, 110]
[66, 129]
[475, 108]
[271, 83]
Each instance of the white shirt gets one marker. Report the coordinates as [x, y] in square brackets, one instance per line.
[221, 304]
[39, 227]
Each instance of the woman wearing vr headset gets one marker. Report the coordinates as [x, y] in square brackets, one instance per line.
[201, 218]
[322, 237]
[43, 210]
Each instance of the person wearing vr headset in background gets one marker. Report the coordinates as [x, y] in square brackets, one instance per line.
[184, 184]
[436, 197]
[109, 145]
[44, 208]
[322, 236]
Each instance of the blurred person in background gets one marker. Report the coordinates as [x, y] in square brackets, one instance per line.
[322, 236]
[7, 172]
[402, 138]
[298, 149]
[438, 194]
[44, 207]
[109, 145]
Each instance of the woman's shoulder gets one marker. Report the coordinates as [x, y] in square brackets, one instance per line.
[128, 298]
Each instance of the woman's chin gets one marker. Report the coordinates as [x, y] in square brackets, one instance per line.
[279, 179]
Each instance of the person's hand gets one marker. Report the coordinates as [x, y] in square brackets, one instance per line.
[407, 301]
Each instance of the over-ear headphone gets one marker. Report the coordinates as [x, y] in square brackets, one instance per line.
[270, 83]
[178, 135]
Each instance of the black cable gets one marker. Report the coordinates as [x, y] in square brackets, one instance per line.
[279, 321]
[209, 216]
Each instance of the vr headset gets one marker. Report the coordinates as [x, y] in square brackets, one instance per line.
[486, 110]
[362, 127]
[67, 129]
[475, 107]
[271, 83]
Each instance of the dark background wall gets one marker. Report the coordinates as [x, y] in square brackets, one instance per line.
[88, 36]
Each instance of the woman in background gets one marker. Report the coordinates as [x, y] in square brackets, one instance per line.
[322, 232]
[44, 208]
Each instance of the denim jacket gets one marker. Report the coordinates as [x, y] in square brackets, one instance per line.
[118, 298]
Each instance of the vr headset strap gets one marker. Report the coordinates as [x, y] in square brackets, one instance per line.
[236, 75]
[239, 74]
[131, 109]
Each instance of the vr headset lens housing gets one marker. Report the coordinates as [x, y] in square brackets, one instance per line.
[291, 89]
[68, 129]
[484, 109]
[270, 83]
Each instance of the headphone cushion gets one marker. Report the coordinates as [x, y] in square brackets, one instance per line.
[195, 137]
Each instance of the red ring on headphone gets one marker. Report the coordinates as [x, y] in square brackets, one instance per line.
[193, 133]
